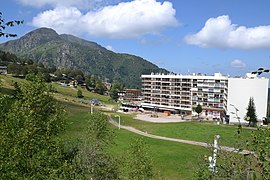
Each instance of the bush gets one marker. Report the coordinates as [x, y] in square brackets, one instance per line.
[79, 94]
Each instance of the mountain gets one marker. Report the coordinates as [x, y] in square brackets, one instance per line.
[45, 46]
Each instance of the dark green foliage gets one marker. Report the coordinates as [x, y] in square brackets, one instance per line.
[95, 84]
[69, 73]
[260, 145]
[114, 94]
[14, 68]
[251, 116]
[198, 109]
[6, 58]
[93, 159]
[29, 124]
[99, 131]
[252, 165]
[79, 94]
[116, 87]
[99, 87]
[21, 66]
[66, 51]
[139, 163]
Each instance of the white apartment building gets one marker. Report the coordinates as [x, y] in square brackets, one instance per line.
[182, 93]
[239, 92]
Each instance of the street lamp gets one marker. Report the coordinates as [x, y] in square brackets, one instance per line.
[91, 108]
[118, 121]
[260, 71]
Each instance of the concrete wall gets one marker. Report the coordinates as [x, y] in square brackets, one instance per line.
[239, 92]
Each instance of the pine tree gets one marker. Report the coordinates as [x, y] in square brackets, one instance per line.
[251, 113]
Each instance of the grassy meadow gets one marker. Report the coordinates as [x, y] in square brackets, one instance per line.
[171, 160]
[191, 130]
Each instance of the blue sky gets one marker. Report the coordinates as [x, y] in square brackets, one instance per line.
[200, 36]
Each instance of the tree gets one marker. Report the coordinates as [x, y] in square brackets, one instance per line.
[116, 87]
[30, 122]
[114, 94]
[94, 160]
[198, 110]
[79, 94]
[14, 68]
[79, 78]
[251, 116]
[4, 25]
[139, 162]
[100, 88]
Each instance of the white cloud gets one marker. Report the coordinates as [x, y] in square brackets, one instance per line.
[125, 20]
[109, 47]
[63, 20]
[238, 64]
[221, 33]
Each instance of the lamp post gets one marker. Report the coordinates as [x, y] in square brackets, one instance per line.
[260, 71]
[119, 126]
[91, 108]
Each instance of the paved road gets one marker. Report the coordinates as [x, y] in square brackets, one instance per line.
[203, 144]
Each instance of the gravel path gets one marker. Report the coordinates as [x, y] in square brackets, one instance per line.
[197, 143]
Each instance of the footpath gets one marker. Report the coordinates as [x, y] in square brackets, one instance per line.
[196, 143]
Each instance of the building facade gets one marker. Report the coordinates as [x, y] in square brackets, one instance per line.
[240, 90]
[182, 93]
[3, 69]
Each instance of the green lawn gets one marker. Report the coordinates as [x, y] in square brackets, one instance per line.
[170, 160]
[7, 81]
[76, 118]
[196, 131]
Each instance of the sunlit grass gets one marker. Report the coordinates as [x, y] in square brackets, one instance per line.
[170, 160]
[195, 131]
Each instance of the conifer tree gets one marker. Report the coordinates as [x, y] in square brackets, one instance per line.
[198, 110]
[251, 116]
